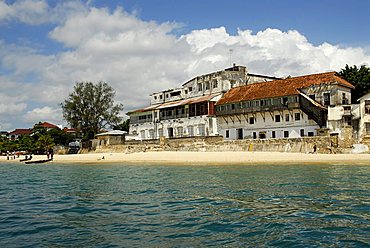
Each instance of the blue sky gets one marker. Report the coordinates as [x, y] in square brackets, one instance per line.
[141, 46]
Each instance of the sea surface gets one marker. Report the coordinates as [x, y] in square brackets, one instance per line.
[113, 205]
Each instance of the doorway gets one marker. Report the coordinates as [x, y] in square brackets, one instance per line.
[239, 133]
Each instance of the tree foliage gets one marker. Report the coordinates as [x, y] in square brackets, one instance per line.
[90, 108]
[359, 77]
[45, 142]
[124, 126]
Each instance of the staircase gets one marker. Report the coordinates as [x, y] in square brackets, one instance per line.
[73, 149]
[313, 109]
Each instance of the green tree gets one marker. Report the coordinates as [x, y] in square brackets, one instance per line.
[124, 126]
[26, 143]
[60, 137]
[90, 108]
[45, 142]
[359, 77]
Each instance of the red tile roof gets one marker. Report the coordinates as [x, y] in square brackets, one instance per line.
[279, 88]
[20, 132]
[46, 125]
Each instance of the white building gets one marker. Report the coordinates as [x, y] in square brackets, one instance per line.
[189, 111]
[364, 120]
[287, 108]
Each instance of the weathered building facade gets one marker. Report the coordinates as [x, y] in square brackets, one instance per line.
[189, 110]
[288, 108]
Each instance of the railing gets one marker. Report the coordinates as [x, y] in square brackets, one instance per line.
[257, 109]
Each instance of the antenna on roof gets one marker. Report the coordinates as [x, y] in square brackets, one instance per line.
[231, 52]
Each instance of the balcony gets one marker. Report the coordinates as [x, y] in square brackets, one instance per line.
[248, 110]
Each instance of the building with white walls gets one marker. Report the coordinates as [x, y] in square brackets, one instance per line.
[189, 110]
[364, 118]
[286, 108]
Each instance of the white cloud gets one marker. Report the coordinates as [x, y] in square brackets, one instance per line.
[138, 57]
[49, 114]
[35, 12]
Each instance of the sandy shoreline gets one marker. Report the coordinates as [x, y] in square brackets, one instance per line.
[207, 158]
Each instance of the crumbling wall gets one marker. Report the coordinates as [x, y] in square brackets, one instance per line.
[318, 144]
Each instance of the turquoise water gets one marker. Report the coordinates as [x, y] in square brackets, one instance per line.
[184, 206]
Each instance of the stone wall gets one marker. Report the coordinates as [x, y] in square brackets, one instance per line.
[322, 144]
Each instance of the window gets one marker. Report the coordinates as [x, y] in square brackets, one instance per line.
[142, 134]
[202, 130]
[215, 84]
[367, 128]
[160, 132]
[310, 134]
[273, 134]
[186, 92]
[344, 99]
[191, 131]
[297, 116]
[161, 97]
[302, 132]
[251, 120]
[232, 106]
[254, 135]
[180, 131]
[200, 87]
[367, 106]
[327, 99]
[262, 135]
[155, 97]
[285, 100]
[176, 93]
[286, 134]
[286, 117]
[151, 133]
[207, 86]
[190, 89]
[277, 118]
[227, 134]
[312, 96]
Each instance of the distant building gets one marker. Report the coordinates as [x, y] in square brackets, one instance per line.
[4, 134]
[363, 114]
[189, 110]
[115, 137]
[286, 108]
[48, 126]
[13, 135]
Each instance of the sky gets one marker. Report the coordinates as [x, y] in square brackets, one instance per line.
[144, 46]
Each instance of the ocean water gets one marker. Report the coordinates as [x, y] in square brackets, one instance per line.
[114, 205]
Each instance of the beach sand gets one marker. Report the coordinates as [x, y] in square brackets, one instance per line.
[207, 158]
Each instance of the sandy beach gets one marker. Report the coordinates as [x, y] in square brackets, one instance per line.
[207, 158]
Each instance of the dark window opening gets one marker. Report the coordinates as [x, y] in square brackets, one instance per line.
[273, 134]
[227, 134]
[286, 134]
[302, 132]
[277, 118]
[176, 93]
[326, 99]
[297, 116]
[251, 120]
[262, 135]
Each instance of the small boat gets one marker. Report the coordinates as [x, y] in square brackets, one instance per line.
[25, 159]
[38, 161]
